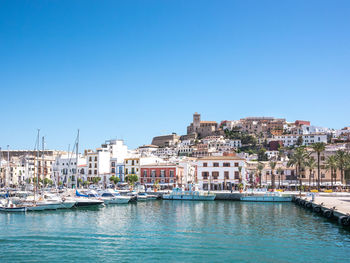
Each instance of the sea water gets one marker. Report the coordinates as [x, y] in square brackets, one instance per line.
[174, 231]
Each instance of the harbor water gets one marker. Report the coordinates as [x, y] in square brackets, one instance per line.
[174, 231]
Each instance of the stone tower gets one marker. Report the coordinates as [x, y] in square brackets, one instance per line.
[196, 121]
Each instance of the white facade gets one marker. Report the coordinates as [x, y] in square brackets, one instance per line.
[219, 172]
[64, 169]
[291, 140]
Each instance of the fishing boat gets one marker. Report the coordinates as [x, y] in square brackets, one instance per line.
[179, 194]
[112, 197]
[10, 207]
[267, 197]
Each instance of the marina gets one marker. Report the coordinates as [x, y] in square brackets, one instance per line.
[215, 231]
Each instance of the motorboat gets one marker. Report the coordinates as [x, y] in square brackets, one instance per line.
[113, 197]
[87, 199]
[179, 194]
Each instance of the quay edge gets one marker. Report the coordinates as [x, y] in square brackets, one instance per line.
[326, 210]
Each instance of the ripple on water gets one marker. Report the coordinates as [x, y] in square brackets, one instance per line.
[175, 232]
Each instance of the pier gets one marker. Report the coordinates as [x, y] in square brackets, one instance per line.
[332, 206]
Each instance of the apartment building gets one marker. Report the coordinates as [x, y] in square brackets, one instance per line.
[308, 139]
[166, 175]
[220, 172]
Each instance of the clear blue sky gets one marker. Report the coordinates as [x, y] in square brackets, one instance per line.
[137, 69]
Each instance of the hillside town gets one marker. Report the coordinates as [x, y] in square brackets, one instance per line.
[251, 152]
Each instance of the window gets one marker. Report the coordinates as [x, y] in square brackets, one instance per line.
[132, 170]
[215, 175]
[171, 173]
[216, 164]
[236, 164]
[226, 174]
[236, 175]
[205, 164]
[162, 173]
[153, 173]
[95, 165]
[95, 159]
[205, 175]
[226, 164]
[133, 162]
[145, 173]
[95, 172]
[113, 170]
[127, 171]
[113, 164]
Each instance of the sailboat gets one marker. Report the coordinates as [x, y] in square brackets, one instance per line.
[82, 199]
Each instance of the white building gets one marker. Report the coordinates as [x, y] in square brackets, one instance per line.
[64, 169]
[291, 140]
[220, 172]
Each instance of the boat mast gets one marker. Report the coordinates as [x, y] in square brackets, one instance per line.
[42, 158]
[8, 164]
[76, 163]
[37, 161]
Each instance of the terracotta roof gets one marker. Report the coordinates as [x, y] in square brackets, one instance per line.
[208, 122]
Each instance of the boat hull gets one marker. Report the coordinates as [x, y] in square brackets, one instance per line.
[190, 197]
[88, 203]
[119, 201]
[13, 209]
[67, 205]
[266, 199]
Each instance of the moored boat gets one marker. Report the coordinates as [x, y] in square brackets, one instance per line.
[112, 197]
[90, 199]
[179, 194]
[268, 197]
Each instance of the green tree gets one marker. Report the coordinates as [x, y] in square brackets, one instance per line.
[96, 180]
[279, 172]
[332, 165]
[310, 163]
[114, 179]
[299, 141]
[262, 155]
[260, 168]
[85, 183]
[341, 157]
[318, 148]
[298, 159]
[131, 179]
[80, 182]
[273, 167]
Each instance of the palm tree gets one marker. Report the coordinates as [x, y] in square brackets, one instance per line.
[279, 172]
[332, 164]
[298, 159]
[260, 167]
[273, 166]
[240, 173]
[341, 157]
[318, 148]
[310, 163]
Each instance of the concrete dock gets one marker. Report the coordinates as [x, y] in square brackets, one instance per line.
[333, 206]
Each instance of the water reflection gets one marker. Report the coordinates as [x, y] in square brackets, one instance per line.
[175, 230]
